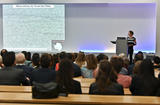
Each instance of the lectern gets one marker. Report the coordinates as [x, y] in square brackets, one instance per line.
[121, 45]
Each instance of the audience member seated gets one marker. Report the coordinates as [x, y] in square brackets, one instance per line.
[74, 56]
[20, 59]
[44, 74]
[145, 83]
[3, 51]
[9, 75]
[124, 69]
[117, 63]
[136, 68]
[81, 60]
[106, 83]
[55, 59]
[138, 56]
[100, 57]
[63, 55]
[65, 78]
[27, 57]
[76, 68]
[88, 71]
[1, 62]
[35, 61]
[156, 61]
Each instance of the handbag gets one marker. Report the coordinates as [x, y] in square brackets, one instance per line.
[45, 90]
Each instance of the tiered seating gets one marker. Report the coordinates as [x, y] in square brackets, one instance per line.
[6, 97]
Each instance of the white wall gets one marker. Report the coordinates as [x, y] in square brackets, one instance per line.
[68, 22]
[92, 26]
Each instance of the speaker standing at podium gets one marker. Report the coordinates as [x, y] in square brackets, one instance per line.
[131, 43]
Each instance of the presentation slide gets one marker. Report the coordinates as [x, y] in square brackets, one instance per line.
[32, 27]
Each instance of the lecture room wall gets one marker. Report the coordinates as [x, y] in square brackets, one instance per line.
[70, 24]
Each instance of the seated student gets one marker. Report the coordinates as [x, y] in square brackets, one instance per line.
[106, 83]
[55, 59]
[27, 57]
[3, 51]
[136, 68]
[9, 75]
[61, 56]
[35, 61]
[124, 69]
[156, 61]
[100, 57]
[65, 78]
[87, 72]
[145, 83]
[137, 57]
[20, 59]
[44, 74]
[81, 59]
[76, 68]
[117, 63]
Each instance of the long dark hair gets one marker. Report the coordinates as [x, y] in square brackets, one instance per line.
[146, 75]
[146, 69]
[106, 75]
[65, 75]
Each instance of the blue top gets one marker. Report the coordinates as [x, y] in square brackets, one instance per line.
[86, 73]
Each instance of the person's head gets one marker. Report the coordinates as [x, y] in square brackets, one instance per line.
[52, 59]
[28, 56]
[65, 74]
[138, 56]
[66, 67]
[156, 60]
[81, 57]
[62, 55]
[9, 59]
[35, 59]
[75, 56]
[45, 60]
[3, 51]
[146, 68]
[101, 57]
[130, 33]
[117, 63]
[25, 53]
[91, 62]
[69, 56]
[106, 75]
[55, 59]
[20, 58]
[126, 62]
[136, 68]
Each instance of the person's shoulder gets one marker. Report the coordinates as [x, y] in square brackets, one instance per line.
[84, 69]
[134, 38]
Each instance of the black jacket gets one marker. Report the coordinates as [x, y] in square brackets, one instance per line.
[27, 70]
[147, 87]
[114, 89]
[76, 88]
[12, 76]
[43, 75]
[77, 70]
